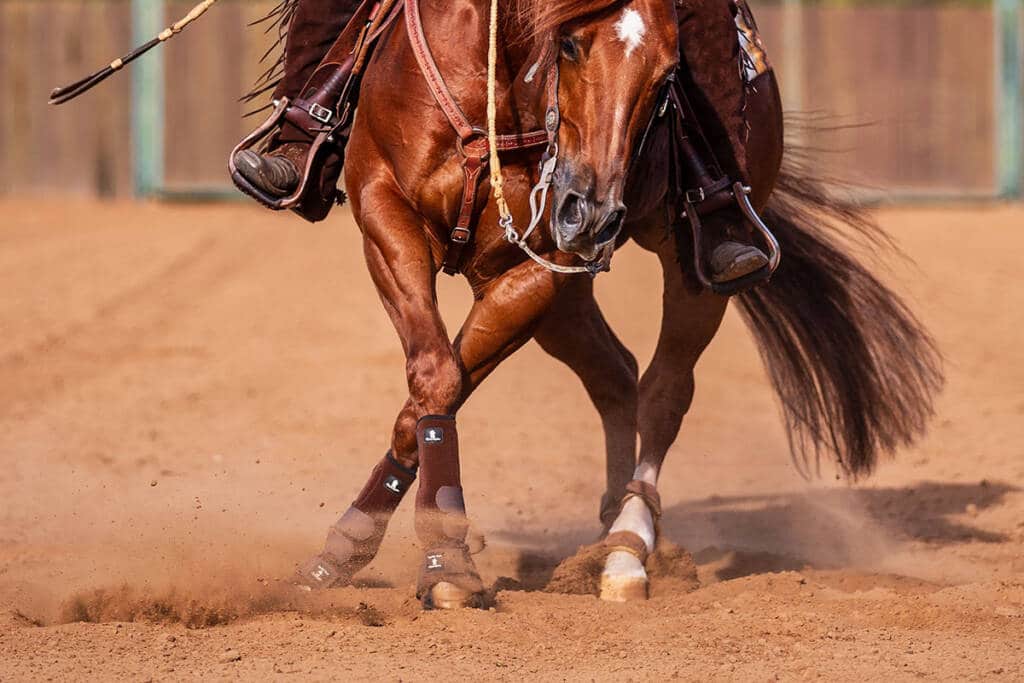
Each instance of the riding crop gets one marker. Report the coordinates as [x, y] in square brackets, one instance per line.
[69, 92]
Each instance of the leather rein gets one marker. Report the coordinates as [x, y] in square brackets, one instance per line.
[480, 147]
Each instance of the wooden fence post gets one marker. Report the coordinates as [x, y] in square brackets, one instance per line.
[791, 76]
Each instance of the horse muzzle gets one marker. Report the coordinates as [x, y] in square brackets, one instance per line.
[582, 225]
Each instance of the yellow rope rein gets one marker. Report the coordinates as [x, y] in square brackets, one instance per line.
[497, 179]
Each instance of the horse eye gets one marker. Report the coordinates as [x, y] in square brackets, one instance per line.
[569, 49]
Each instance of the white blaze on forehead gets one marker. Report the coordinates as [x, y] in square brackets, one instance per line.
[630, 29]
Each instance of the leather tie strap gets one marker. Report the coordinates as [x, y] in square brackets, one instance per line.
[647, 493]
[627, 541]
[472, 167]
[514, 141]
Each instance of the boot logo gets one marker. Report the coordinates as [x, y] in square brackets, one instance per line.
[320, 573]
[393, 484]
[435, 562]
[434, 435]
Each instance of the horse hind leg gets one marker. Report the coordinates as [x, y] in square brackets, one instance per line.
[689, 321]
[567, 323]
[575, 332]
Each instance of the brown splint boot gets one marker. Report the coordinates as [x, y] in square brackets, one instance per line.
[354, 539]
[270, 173]
[351, 544]
[731, 261]
[448, 579]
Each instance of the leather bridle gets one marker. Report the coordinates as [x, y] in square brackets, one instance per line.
[478, 148]
[472, 143]
[539, 193]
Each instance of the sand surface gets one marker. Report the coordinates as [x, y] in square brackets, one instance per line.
[190, 395]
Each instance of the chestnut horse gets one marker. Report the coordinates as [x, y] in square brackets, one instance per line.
[853, 369]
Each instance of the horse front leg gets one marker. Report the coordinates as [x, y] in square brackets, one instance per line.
[424, 440]
[689, 322]
[403, 267]
[502, 320]
[440, 375]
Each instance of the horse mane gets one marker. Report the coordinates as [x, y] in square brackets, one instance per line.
[527, 21]
[540, 19]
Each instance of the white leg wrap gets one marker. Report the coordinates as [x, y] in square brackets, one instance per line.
[624, 577]
[636, 517]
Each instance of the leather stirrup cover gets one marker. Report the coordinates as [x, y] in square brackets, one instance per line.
[316, 125]
[331, 92]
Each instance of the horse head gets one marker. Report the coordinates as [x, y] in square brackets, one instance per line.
[612, 60]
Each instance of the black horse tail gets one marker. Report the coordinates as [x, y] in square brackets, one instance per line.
[854, 369]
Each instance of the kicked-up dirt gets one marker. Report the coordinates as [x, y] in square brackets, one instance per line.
[190, 395]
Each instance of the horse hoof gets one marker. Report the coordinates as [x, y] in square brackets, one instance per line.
[624, 578]
[445, 595]
[616, 588]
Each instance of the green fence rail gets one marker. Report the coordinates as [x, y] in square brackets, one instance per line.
[148, 19]
[1009, 92]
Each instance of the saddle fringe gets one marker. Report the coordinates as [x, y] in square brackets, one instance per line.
[277, 21]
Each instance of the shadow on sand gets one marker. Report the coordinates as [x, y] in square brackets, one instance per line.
[827, 528]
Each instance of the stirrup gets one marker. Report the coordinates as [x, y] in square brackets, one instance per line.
[325, 141]
[739, 193]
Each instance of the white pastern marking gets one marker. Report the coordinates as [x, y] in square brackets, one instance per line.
[631, 29]
[647, 472]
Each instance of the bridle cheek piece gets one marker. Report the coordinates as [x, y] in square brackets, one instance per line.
[539, 194]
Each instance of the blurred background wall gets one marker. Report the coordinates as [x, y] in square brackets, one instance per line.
[914, 90]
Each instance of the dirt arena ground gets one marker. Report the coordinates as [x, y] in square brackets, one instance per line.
[190, 395]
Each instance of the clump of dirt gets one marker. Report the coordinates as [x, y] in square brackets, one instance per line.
[579, 574]
[126, 603]
[670, 568]
[370, 615]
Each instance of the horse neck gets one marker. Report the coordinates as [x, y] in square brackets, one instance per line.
[462, 28]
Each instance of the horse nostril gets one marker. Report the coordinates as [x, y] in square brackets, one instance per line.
[610, 229]
[571, 214]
